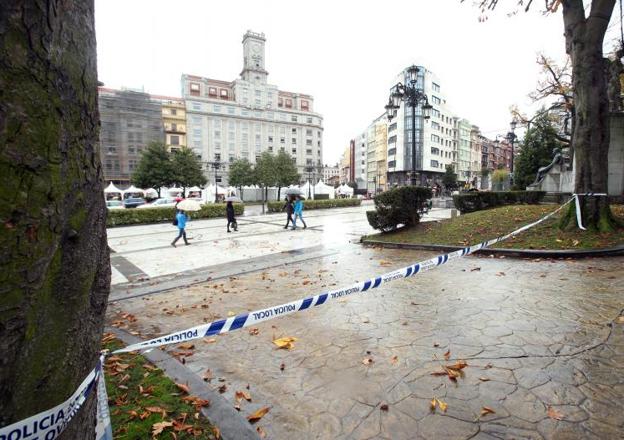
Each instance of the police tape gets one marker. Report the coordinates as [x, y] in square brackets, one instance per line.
[48, 425]
[261, 315]
[579, 217]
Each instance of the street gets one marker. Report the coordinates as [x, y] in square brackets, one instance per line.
[540, 338]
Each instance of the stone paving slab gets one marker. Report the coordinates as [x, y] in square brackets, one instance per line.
[538, 336]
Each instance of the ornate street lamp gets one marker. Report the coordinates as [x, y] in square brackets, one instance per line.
[413, 97]
[310, 170]
[511, 137]
[215, 166]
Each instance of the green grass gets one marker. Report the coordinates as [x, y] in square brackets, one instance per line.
[479, 226]
[133, 385]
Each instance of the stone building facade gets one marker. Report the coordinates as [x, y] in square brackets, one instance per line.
[227, 120]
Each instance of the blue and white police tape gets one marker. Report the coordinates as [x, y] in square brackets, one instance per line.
[103, 428]
[579, 219]
[258, 316]
[48, 425]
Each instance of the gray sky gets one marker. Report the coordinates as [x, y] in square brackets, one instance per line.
[344, 53]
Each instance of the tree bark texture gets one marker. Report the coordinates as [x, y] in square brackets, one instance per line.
[584, 38]
[54, 262]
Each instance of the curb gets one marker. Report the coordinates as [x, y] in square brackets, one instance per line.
[519, 253]
[231, 423]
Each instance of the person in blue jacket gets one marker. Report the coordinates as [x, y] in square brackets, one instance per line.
[299, 213]
[180, 221]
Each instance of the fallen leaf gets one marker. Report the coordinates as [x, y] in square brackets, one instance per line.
[432, 404]
[554, 414]
[459, 365]
[217, 432]
[159, 427]
[443, 406]
[282, 366]
[500, 274]
[306, 282]
[285, 342]
[367, 361]
[254, 332]
[487, 410]
[230, 313]
[384, 407]
[157, 410]
[475, 269]
[181, 426]
[394, 360]
[575, 242]
[211, 341]
[385, 263]
[132, 414]
[439, 373]
[253, 418]
[261, 432]
[484, 379]
[223, 388]
[183, 387]
[243, 395]
[435, 344]
[208, 376]
[447, 355]
[488, 366]
[620, 320]
[186, 346]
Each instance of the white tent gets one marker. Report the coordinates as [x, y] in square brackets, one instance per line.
[172, 192]
[345, 190]
[321, 188]
[133, 190]
[151, 192]
[307, 189]
[194, 189]
[110, 189]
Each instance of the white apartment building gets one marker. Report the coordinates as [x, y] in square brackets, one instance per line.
[227, 120]
[360, 159]
[435, 137]
[330, 173]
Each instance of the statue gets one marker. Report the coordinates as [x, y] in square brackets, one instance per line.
[541, 173]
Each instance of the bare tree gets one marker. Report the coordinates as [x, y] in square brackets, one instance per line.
[54, 263]
[584, 39]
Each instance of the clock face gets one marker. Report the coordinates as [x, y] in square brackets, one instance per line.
[255, 48]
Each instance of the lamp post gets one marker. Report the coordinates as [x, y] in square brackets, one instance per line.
[215, 166]
[413, 97]
[375, 183]
[310, 170]
[511, 137]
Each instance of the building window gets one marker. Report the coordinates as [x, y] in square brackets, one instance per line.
[196, 106]
[294, 131]
[280, 102]
[173, 111]
[308, 151]
[435, 126]
[288, 103]
[217, 108]
[294, 150]
[305, 105]
[270, 139]
[294, 140]
[231, 110]
[391, 163]
[194, 89]
[293, 118]
[392, 126]
[282, 140]
[435, 99]
[392, 139]
[308, 141]
[175, 140]
[212, 91]
[224, 93]
[391, 151]
[436, 87]
[308, 132]
[309, 120]
[435, 150]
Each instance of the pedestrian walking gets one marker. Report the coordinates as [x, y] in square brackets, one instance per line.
[180, 221]
[288, 206]
[299, 213]
[229, 209]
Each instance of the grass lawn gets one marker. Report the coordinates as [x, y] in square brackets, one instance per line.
[144, 402]
[479, 226]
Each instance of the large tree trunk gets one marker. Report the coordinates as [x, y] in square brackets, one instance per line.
[590, 140]
[54, 263]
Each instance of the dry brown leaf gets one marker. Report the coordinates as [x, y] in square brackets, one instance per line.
[459, 365]
[500, 274]
[394, 360]
[223, 388]
[243, 395]
[554, 414]
[384, 407]
[253, 418]
[447, 355]
[620, 320]
[452, 374]
[484, 379]
[254, 332]
[432, 404]
[487, 410]
[217, 432]
[306, 282]
[475, 269]
[186, 346]
[157, 410]
[261, 432]
[488, 366]
[208, 376]
[210, 341]
[183, 387]
[367, 361]
[181, 426]
[439, 373]
[158, 428]
[132, 414]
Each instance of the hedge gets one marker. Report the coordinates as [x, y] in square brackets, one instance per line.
[399, 206]
[318, 204]
[134, 216]
[476, 201]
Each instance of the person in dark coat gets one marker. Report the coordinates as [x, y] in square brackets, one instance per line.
[288, 206]
[229, 209]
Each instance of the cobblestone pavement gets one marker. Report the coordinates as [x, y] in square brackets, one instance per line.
[543, 340]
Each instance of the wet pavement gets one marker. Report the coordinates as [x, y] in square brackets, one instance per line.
[543, 340]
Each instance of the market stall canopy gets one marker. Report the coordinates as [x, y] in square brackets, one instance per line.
[112, 189]
[133, 190]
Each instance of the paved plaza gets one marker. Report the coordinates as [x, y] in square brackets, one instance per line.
[543, 339]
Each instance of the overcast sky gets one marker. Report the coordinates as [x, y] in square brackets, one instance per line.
[344, 53]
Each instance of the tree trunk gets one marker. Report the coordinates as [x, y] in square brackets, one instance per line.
[54, 263]
[279, 192]
[590, 139]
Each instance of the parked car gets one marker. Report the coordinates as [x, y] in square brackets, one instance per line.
[114, 204]
[133, 202]
[163, 202]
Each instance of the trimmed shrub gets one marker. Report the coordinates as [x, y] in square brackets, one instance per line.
[477, 201]
[399, 206]
[120, 217]
[318, 204]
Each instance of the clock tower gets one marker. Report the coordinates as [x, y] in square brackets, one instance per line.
[253, 58]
